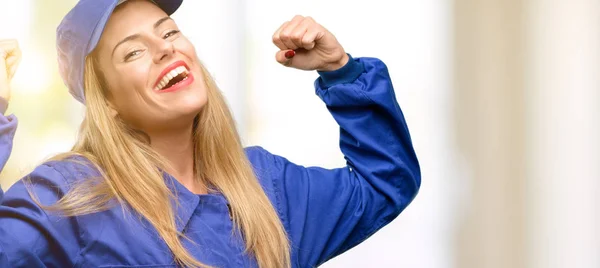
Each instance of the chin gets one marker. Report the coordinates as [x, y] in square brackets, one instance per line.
[192, 103]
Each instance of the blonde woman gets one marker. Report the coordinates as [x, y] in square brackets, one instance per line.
[158, 177]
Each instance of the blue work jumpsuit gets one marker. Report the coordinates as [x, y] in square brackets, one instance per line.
[325, 212]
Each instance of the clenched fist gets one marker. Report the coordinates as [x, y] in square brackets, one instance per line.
[10, 57]
[304, 44]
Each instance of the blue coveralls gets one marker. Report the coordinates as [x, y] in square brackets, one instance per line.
[324, 211]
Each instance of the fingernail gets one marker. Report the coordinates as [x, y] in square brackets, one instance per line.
[290, 54]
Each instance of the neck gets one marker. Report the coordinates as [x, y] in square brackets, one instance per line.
[177, 147]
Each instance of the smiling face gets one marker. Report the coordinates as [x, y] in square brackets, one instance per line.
[151, 70]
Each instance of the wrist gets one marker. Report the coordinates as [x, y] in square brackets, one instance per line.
[346, 74]
[3, 105]
[336, 65]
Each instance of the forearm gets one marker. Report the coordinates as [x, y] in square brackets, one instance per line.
[374, 136]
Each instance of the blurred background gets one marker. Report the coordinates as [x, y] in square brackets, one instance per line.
[502, 98]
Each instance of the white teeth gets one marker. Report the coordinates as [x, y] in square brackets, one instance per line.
[170, 75]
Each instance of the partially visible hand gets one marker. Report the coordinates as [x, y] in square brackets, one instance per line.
[10, 57]
[304, 44]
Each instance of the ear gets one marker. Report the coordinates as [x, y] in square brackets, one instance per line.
[112, 109]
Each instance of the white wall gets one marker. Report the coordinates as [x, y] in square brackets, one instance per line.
[564, 83]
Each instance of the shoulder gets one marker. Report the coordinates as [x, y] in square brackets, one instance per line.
[54, 178]
[47, 183]
[269, 173]
[71, 168]
[259, 157]
[262, 159]
[263, 162]
[271, 169]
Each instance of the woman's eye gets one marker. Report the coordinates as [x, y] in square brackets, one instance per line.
[171, 33]
[132, 54]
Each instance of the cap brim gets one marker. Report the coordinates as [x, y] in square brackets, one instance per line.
[168, 6]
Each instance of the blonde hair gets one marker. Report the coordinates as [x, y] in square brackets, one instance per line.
[130, 173]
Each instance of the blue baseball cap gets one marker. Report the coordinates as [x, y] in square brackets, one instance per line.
[79, 32]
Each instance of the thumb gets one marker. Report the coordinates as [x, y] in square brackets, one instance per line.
[285, 57]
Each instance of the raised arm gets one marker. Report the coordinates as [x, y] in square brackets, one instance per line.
[326, 212]
[30, 237]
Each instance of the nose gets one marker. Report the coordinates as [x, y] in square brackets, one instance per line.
[164, 50]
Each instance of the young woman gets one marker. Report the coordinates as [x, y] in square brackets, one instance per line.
[158, 177]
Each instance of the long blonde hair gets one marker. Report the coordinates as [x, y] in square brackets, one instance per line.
[130, 172]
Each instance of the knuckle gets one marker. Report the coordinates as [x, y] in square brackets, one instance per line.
[285, 35]
[283, 25]
[297, 36]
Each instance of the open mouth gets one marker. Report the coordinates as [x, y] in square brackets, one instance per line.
[172, 78]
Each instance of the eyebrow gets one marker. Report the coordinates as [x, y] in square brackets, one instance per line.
[136, 36]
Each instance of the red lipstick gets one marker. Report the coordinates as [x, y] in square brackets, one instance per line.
[169, 68]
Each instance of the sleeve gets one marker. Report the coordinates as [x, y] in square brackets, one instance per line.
[8, 127]
[31, 236]
[328, 211]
